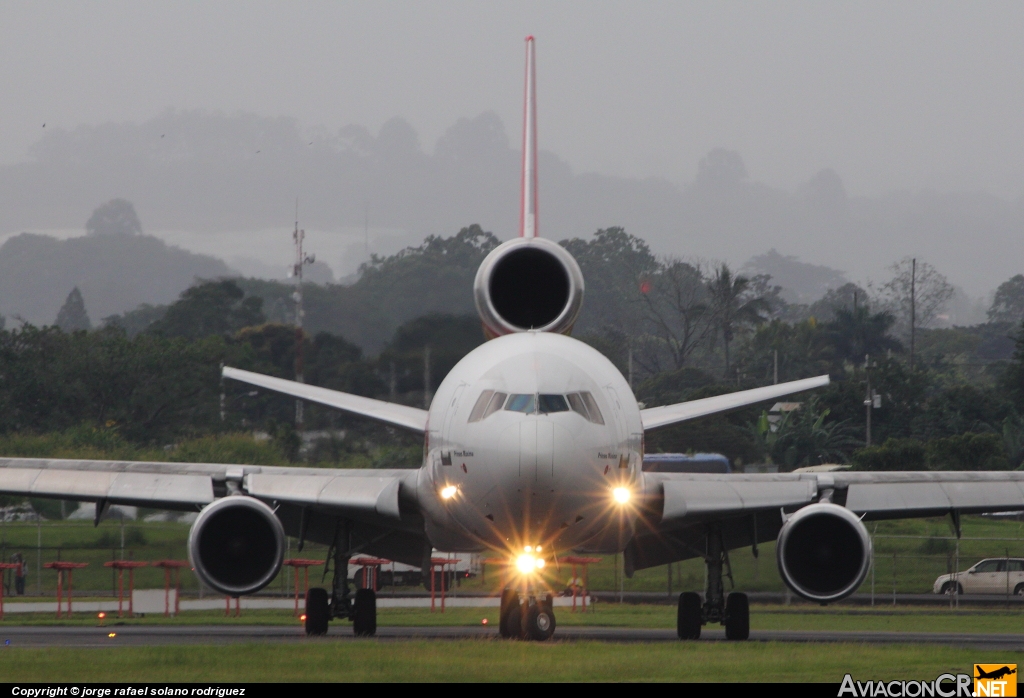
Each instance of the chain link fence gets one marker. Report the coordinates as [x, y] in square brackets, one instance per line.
[901, 564]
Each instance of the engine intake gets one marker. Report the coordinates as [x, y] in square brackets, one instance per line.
[528, 284]
[236, 545]
[823, 552]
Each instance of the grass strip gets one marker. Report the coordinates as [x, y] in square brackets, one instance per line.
[492, 660]
[607, 615]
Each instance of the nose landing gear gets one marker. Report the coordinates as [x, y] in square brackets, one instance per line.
[529, 618]
[733, 611]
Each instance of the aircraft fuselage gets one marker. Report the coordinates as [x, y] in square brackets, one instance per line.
[528, 437]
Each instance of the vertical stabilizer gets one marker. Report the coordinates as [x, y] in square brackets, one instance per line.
[528, 212]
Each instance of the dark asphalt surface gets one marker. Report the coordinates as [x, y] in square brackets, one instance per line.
[204, 635]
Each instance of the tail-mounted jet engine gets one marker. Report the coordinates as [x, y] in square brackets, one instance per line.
[528, 284]
[236, 545]
[823, 552]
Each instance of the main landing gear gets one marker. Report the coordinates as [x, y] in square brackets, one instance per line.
[527, 617]
[361, 610]
[733, 611]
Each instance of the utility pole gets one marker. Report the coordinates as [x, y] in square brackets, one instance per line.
[223, 398]
[775, 371]
[301, 260]
[867, 399]
[913, 308]
[426, 377]
[872, 400]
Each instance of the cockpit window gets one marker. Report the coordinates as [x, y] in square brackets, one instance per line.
[552, 403]
[582, 403]
[592, 408]
[487, 404]
[577, 405]
[522, 403]
[481, 404]
[497, 400]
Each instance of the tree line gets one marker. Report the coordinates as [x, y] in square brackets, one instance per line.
[677, 328]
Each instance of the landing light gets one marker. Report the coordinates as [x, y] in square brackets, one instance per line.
[528, 564]
[621, 495]
[449, 491]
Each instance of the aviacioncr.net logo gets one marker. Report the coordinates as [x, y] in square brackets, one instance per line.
[943, 686]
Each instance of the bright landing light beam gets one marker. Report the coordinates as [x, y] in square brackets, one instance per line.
[528, 564]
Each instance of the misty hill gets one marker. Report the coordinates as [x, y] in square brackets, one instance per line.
[801, 282]
[114, 274]
[199, 171]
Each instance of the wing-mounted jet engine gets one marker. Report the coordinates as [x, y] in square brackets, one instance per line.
[236, 545]
[528, 283]
[824, 552]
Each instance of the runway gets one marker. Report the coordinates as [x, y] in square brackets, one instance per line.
[134, 636]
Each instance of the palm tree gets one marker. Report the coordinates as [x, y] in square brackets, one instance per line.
[855, 333]
[733, 307]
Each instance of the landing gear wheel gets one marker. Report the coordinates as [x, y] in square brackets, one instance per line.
[737, 617]
[688, 620]
[317, 611]
[510, 620]
[540, 621]
[364, 613]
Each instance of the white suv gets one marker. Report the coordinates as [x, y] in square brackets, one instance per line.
[993, 576]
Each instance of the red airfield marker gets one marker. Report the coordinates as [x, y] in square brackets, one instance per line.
[70, 568]
[121, 566]
[5, 566]
[169, 565]
[583, 561]
[305, 565]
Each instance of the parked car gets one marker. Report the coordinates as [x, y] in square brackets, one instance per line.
[993, 576]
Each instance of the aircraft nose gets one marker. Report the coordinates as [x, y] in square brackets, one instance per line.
[541, 451]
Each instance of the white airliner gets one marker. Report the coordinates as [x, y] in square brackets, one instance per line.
[533, 447]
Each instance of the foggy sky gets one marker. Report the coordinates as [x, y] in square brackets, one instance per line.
[889, 95]
[867, 131]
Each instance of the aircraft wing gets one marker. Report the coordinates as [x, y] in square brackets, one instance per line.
[369, 495]
[411, 418]
[749, 507]
[656, 417]
[873, 495]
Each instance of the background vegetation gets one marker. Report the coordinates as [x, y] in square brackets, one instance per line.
[145, 384]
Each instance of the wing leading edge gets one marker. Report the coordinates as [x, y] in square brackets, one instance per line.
[655, 417]
[411, 418]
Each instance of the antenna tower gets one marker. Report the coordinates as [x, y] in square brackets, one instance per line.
[301, 260]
